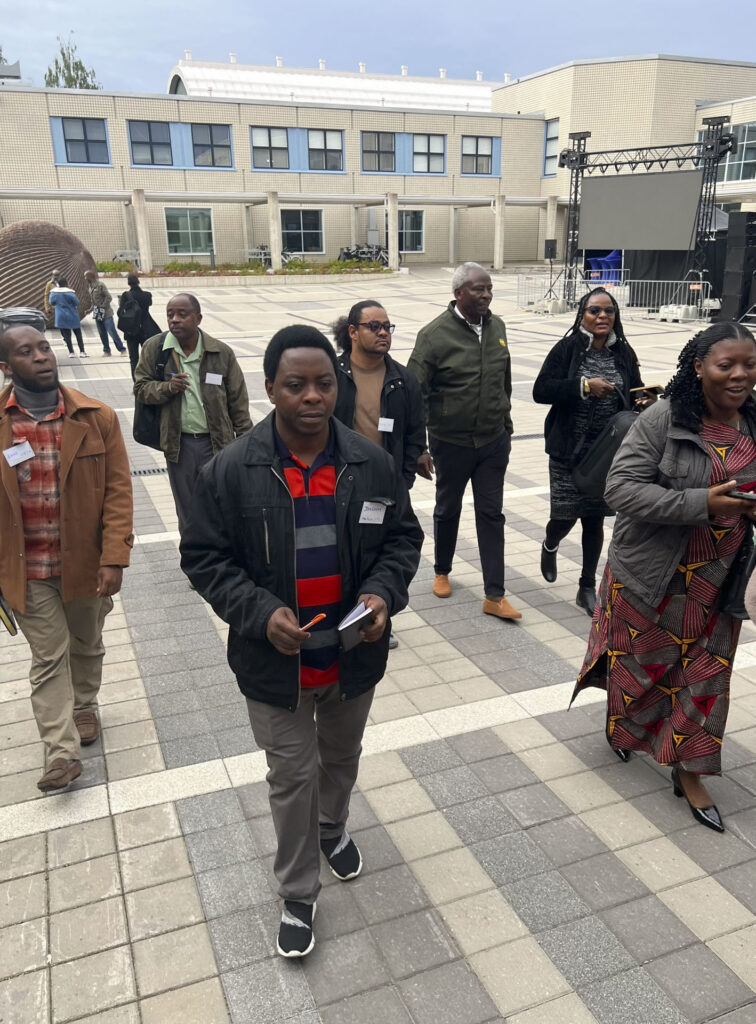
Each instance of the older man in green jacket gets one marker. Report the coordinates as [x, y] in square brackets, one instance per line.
[462, 362]
[202, 393]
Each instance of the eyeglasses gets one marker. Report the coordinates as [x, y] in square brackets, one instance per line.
[376, 326]
[595, 310]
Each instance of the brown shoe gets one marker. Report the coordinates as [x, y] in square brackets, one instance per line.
[501, 608]
[59, 775]
[88, 726]
[442, 586]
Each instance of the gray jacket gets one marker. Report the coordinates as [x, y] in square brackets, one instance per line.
[658, 484]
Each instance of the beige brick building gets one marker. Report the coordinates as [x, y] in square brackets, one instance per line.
[178, 176]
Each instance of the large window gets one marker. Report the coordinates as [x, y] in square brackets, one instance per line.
[324, 150]
[428, 154]
[378, 151]
[477, 151]
[740, 166]
[86, 140]
[190, 232]
[212, 145]
[551, 148]
[150, 142]
[411, 231]
[302, 230]
[270, 148]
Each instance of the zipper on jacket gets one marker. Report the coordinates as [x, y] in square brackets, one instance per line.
[267, 539]
[278, 476]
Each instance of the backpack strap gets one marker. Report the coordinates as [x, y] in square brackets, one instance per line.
[163, 358]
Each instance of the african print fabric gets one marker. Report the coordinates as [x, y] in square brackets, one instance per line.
[667, 669]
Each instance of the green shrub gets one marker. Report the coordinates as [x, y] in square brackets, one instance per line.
[115, 267]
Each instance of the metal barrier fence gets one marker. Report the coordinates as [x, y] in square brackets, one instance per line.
[688, 300]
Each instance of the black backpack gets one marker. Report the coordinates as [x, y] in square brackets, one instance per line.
[146, 429]
[129, 315]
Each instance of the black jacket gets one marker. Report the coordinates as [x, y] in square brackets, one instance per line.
[558, 385]
[148, 327]
[239, 552]
[401, 401]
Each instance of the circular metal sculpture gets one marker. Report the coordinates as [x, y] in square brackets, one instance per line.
[29, 251]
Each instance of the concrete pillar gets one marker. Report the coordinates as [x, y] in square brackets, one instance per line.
[392, 240]
[129, 235]
[246, 215]
[142, 229]
[274, 230]
[500, 204]
[551, 219]
[452, 236]
[354, 226]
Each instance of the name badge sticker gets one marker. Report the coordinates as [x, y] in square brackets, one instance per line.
[18, 453]
[385, 424]
[373, 512]
[213, 378]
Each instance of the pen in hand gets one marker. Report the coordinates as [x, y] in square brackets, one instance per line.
[313, 622]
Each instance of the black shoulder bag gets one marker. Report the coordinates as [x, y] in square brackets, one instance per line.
[146, 429]
[591, 469]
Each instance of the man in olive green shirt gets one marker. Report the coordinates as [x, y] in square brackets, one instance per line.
[202, 393]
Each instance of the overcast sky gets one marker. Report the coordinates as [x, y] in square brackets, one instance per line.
[133, 46]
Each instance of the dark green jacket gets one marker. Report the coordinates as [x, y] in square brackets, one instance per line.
[226, 405]
[466, 384]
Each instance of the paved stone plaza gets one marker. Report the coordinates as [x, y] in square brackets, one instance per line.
[514, 868]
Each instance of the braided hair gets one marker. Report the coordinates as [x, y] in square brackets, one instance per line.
[341, 327]
[685, 390]
[586, 301]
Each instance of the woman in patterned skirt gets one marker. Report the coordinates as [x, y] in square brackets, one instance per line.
[660, 643]
[581, 379]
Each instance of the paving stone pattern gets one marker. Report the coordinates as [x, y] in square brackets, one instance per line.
[514, 869]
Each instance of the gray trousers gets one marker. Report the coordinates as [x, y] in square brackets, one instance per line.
[313, 755]
[194, 452]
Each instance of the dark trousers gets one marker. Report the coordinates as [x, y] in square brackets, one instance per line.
[194, 452]
[593, 541]
[107, 327]
[485, 468]
[133, 347]
[66, 332]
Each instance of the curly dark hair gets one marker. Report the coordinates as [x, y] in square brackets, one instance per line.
[585, 301]
[341, 327]
[685, 391]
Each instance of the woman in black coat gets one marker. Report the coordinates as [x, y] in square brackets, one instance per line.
[580, 380]
[136, 326]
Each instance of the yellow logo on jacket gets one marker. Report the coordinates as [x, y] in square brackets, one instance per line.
[503, 342]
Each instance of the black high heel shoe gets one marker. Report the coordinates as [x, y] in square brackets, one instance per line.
[586, 599]
[549, 563]
[708, 816]
[622, 754]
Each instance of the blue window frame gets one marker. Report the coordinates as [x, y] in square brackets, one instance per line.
[428, 154]
[86, 140]
[151, 143]
[211, 144]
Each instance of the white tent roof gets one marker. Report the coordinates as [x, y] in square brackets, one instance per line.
[309, 85]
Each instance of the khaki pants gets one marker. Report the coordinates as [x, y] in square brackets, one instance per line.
[67, 652]
[313, 755]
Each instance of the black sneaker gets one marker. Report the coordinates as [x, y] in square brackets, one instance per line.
[343, 856]
[295, 936]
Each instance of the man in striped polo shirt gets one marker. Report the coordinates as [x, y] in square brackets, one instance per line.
[300, 518]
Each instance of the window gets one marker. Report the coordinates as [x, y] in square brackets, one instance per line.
[150, 142]
[190, 232]
[212, 145]
[740, 166]
[411, 231]
[378, 151]
[270, 148]
[551, 148]
[477, 152]
[324, 150]
[302, 230]
[85, 139]
[428, 154]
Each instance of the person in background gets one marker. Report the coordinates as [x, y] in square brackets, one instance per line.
[102, 311]
[52, 283]
[462, 362]
[662, 643]
[583, 378]
[378, 397]
[202, 393]
[65, 302]
[66, 512]
[135, 319]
